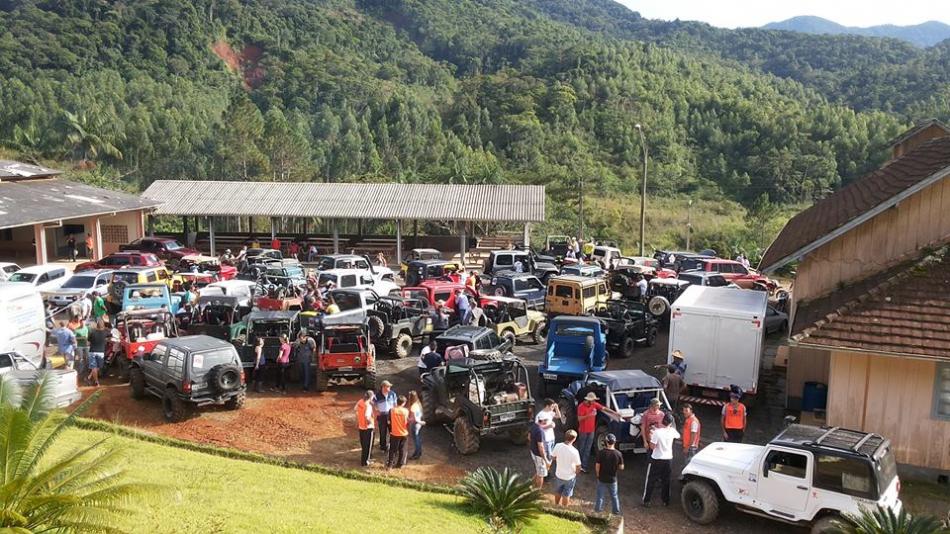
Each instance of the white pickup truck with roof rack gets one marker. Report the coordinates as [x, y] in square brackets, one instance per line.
[807, 476]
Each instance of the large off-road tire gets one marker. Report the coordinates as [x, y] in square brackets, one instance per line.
[500, 292]
[627, 347]
[509, 335]
[427, 399]
[369, 380]
[825, 525]
[236, 402]
[321, 381]
[700, 502]
[600, 438]
[568, 412]
[174, 409]
[122, 367]
[658, 305]
[465, 436]
[401, 347]
[540, 334]
[137, 383]
[651, 337]
[224, 378]
[518, 436]
[375, 326]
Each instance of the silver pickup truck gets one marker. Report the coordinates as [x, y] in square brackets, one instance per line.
[27, 373]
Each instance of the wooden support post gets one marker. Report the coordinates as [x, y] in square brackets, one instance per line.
[211, 234]
[398, 241]
[336, 238]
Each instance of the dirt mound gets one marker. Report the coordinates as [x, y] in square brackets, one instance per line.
[245, 62]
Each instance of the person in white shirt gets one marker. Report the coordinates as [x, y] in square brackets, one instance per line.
[546, 418]
[659, 470]
[422, 353]
[642, 285]
[567, 463]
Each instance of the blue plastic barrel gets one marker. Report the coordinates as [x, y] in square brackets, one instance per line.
[815, 396]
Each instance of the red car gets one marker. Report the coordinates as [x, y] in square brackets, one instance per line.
[433, 291]
[738, 274]
[163, 247]
[118, 260]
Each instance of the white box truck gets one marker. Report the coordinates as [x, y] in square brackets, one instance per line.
[22, 321]
[720, 332]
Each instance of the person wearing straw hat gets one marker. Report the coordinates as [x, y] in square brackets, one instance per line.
[586, 424]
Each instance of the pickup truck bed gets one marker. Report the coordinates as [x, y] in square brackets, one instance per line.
[65, 390]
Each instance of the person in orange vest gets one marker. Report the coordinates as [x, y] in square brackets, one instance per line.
[365, 416]
[691, 429]
[398, 434]
[733, 419]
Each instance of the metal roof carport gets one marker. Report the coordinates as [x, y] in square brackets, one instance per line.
[385, 201]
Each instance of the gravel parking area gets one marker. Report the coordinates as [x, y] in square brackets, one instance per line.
[320, 428]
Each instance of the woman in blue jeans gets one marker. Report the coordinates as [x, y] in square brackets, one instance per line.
[415, 424]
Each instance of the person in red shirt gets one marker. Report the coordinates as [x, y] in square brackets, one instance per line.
[651, 418]
[294, 249]
[275, 243]
[398, 434]
[587, 424]
[690, 433]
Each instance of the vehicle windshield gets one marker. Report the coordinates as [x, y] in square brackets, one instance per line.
[116, 260]
[22, 277]
[347, 301]
[326, 277]
[325, 263]
[79, 282]
[173, 245]
[886, 467]
[11, 269]
[574, 330]
[203, 361]
[270, 328]
[127, 277]
[692, 279]
[420, 294]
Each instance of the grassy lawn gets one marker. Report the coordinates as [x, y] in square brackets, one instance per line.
[213, 494]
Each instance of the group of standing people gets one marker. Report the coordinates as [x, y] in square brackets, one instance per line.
[72, 251]
[394, 418]
[81, 340]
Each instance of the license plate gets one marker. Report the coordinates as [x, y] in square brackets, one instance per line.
[346, 368]
[549, 376]
[506, 417]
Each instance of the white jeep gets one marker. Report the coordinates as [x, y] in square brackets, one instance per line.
[807, 476]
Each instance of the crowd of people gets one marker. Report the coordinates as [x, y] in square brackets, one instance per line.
[393, 418]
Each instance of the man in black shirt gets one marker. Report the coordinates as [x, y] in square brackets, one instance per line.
[98, 337]
[609, 462]
[539, 455]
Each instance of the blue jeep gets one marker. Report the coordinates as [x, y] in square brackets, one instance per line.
[524, 286]
[626, 392]
[576, 346]
[149, 296]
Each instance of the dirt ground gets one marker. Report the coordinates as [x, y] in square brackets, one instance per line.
[321, 428]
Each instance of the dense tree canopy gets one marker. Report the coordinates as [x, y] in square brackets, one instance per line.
[452, 91]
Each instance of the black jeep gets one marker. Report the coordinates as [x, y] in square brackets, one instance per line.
[475, 341]
[479, 397]
[189, 372]
[628, 323]
[394, 323]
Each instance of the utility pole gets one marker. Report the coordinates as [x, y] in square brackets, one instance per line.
[643, 191]
[689, 221]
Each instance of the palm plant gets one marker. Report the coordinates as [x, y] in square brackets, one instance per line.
[882, 520]
[81, 491]
[90, 135]
[501, 496]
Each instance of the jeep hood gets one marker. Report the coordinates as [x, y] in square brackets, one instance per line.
[725, 458]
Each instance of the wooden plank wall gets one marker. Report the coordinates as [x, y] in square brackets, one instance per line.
[921, 220]
[892, 397]
[804, 365]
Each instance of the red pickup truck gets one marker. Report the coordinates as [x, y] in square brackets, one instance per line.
[738, 274]
[118, 260]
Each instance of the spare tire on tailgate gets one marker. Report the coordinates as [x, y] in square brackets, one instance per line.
[117, 290]
[224, 378]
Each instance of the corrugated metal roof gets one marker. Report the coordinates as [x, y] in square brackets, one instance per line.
[504, 203]
[15, 170]
[26, 202]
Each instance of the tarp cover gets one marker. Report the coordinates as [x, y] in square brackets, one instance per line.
[625, 380]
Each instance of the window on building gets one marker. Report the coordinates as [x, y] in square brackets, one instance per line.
[942, 392]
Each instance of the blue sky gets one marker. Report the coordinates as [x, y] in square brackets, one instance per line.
[742, 13]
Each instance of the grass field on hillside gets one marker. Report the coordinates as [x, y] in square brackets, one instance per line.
[208, 493]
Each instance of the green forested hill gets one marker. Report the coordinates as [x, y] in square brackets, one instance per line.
[462, 91]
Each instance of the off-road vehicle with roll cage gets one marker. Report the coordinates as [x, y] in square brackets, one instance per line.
[479, 397]
[394, 322]
[187, 373]
[629, 323]
[806, 476]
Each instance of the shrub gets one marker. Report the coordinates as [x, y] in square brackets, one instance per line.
[501, 496]
[882, 520]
